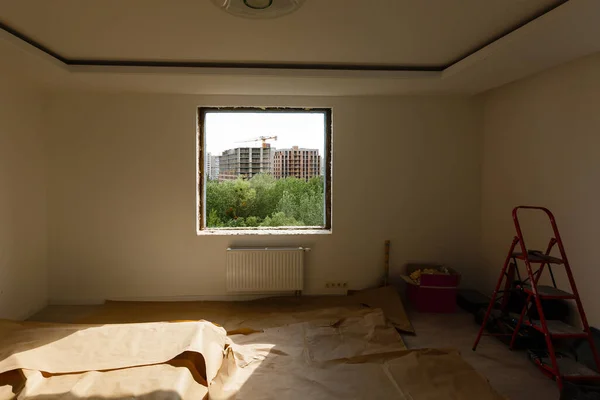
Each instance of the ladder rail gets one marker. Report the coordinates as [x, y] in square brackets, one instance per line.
[571, 278]
[536, 297]
[538, 274]
[575, 292]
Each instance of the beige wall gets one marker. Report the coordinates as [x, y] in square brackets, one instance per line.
[122, 194]
[542, 147]
[23, 275]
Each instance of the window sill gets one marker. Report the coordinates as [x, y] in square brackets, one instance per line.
[263, 232]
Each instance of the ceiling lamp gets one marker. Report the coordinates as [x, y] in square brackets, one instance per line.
[259, 8]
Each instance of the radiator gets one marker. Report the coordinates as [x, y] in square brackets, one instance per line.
[259, 270]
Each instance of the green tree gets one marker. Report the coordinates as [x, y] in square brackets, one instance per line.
[288, 204]
[310, 209]
[252, 221]
[266, 195]
[213, 220]
[280, 219]
[265, 201]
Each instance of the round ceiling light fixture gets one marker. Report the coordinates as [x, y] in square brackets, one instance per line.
[258, 9]
[258, 4]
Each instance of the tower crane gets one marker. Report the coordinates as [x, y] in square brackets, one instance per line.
[260, 138]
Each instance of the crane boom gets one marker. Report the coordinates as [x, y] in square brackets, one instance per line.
[260, 138]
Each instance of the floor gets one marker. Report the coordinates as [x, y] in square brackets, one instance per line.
[510, 373]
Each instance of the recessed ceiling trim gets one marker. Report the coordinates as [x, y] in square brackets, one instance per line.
[31, 42]
[270, 65]
[507, 31]
[256, 72]
[256, 65]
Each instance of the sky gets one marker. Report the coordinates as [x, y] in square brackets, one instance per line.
[224, 129]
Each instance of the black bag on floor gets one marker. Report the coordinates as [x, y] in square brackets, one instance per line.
[573, 391]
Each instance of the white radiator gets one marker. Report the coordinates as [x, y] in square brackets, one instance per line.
[271, 269]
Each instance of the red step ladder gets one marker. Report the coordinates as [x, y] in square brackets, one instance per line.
[561, 368]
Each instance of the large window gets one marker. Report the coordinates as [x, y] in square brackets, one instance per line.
[264, 168]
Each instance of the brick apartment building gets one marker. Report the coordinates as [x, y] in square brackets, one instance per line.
[301, 163]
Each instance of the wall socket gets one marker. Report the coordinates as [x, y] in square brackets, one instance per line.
[336, 285]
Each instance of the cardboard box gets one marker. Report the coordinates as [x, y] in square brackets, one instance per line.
[436, 293]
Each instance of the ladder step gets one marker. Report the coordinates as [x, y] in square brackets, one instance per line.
[549, 292]
[538, 257]
[569, 368]
[557, 328]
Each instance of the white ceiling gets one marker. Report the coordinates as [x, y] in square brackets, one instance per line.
[402, 32]
[567, 32]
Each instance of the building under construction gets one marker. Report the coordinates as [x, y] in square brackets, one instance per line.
[246, 162]
[301, 163]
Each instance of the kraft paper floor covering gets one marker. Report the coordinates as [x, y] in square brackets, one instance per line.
[257, 314]
[292, 349]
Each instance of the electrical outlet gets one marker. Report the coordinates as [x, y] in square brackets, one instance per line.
[336, 285]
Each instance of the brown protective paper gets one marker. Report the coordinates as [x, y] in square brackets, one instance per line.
[162, 381]
[423, 375]
[387, 299]
[300, 352]
[350, 337]
[180, 378]
[76, 348]
[366, 332]
[348, 360]
[286, 362]
[257, 314]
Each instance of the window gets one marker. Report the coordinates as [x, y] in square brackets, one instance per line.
[264, 169]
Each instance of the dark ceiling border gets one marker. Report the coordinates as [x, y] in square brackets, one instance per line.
[254, 65]
[281, 66]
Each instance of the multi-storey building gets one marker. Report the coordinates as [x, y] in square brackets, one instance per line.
[212, 167]
[301, 163]
[245, 161]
